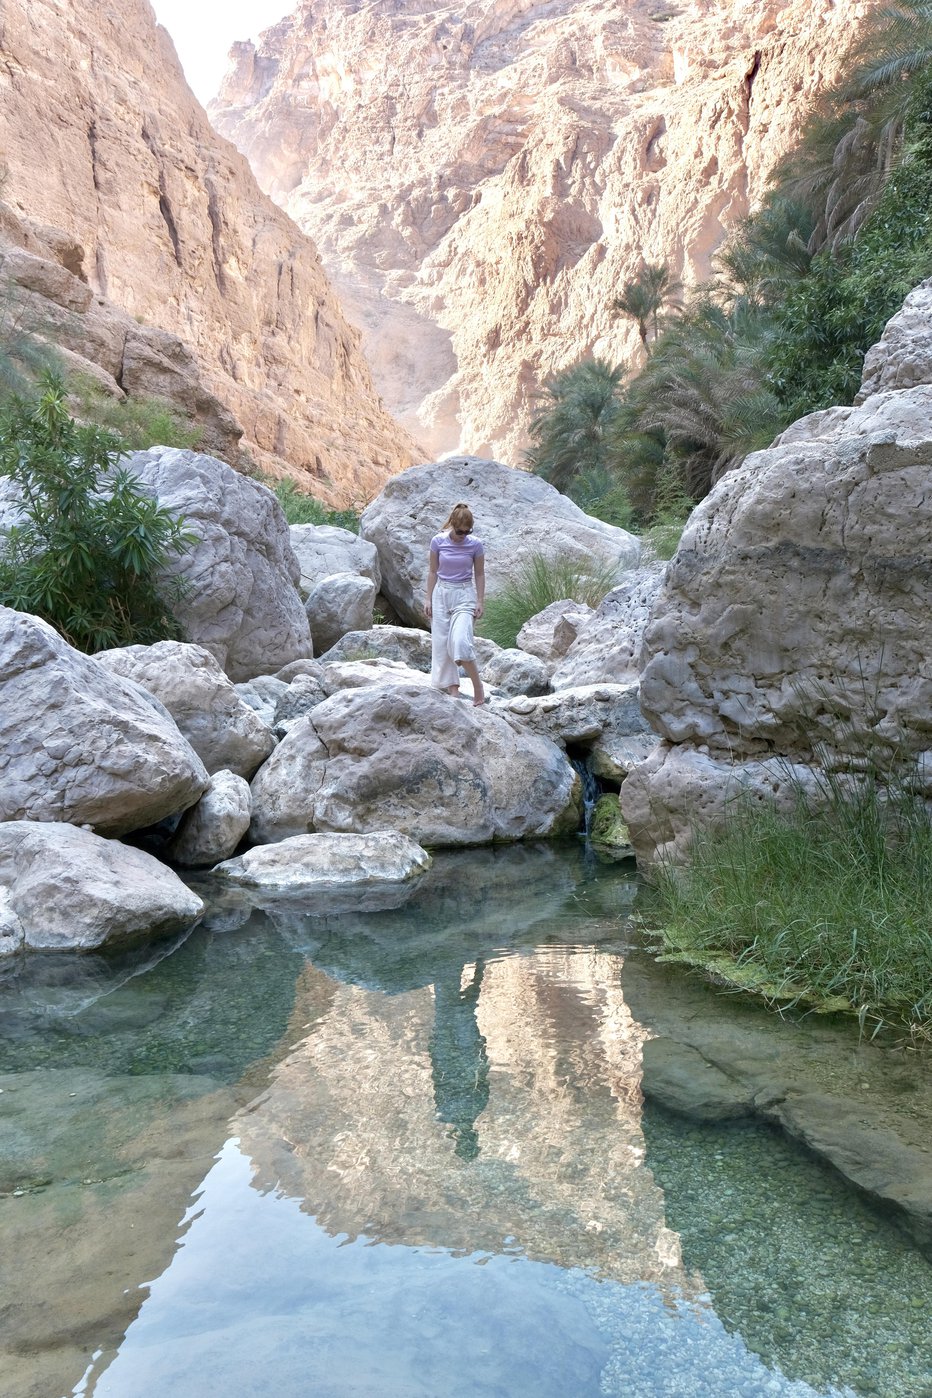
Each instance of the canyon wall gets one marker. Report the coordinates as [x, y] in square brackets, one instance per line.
[101, 138]
[481, 183]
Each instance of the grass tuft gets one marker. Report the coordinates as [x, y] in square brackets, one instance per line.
[828, 906]
[540, 582]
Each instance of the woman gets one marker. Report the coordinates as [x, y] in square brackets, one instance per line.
[455, 597]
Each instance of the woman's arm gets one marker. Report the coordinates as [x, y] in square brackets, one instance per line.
[478, 564]
[431, 584]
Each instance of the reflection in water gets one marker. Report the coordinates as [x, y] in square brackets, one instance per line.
[413, 1139]
[458, 1058]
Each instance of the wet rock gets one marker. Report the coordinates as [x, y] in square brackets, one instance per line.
[605, 719]
[682, 1080]
[608, 830]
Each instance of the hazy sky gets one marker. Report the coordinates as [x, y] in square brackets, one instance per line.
[203, 31]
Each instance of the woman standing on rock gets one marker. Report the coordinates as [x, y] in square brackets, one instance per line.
[455, 597]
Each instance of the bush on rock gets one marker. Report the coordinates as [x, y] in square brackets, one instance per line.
[88, 554]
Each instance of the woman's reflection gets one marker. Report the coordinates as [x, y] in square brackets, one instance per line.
[458, 1058]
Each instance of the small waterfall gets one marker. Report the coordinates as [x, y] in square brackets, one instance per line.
[590, 787]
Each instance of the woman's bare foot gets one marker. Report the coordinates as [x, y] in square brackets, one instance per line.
[454, 689]
[478, 698]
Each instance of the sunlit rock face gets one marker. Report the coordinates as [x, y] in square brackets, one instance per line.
[482, 182]
[102, 138]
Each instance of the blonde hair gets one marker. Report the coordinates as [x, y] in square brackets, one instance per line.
[460, 518]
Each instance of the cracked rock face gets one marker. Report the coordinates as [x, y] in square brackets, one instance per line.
[511, 165]
[792, 632]
[161, 218]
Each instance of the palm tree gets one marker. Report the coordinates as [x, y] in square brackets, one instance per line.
[643, 299]
[569, 431]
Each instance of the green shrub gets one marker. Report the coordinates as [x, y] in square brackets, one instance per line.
[139, 423]
[305, 509]
[88, 557]
[829, 905]
[542, 581]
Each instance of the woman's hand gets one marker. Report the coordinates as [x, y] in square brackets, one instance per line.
[480, 608]
[429, 609]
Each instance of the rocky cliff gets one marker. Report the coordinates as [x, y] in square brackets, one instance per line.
[101, 137]
[481, 183]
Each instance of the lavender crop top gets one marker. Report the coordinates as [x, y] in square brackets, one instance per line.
[455, 560]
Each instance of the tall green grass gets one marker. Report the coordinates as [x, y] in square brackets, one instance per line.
[539, 582]
[305, 509]
[829, 905]
[139, 423]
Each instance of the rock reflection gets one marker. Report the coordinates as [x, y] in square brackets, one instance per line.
[466, 1097]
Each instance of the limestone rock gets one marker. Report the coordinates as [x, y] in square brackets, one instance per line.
[511, 671]
[407, 644]
[608, 832]
[305, 862]
[402, 757]
[603, 719]
[323, 549]
[551, 632]
[68, 889]
[513, 165]
[242, 600]
[339, 603]
[518, 516]
[80, 744]
[164, 221]
[607, 647]
[902, 356]
[224, 731]
[211, 830]
[793, 628]
[262, 695]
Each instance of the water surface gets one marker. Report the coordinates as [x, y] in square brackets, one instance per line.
[402, 1151]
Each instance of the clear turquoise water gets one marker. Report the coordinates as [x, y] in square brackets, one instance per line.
[401, 1152]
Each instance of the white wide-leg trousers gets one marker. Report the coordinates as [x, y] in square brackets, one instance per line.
[454, 606]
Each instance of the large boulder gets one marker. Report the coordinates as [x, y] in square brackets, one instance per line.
[794, 626]
[606, 648]
[306, 862]
[517, 517]
[65, 889]
[224, 731]
[403, 757]
[241, 576]
[323, 549]
[80, 744]
[339, 603]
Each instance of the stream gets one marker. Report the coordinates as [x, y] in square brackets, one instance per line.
[395, 1146]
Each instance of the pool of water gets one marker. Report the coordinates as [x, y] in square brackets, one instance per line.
[348, 1151]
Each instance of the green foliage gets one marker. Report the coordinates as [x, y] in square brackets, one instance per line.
[570, 431]
[138, 422]
[541, 581]
[305, 509]
[88, 556]
[829, 905]
[643, 299]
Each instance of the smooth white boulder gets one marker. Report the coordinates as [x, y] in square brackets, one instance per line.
[224, 731]
[80, 744]
[241, 575]
[212, 829]
[66, 889]
[408, 758]
[325, 549]
[550, 633]
[517, 516]
[306, 862]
